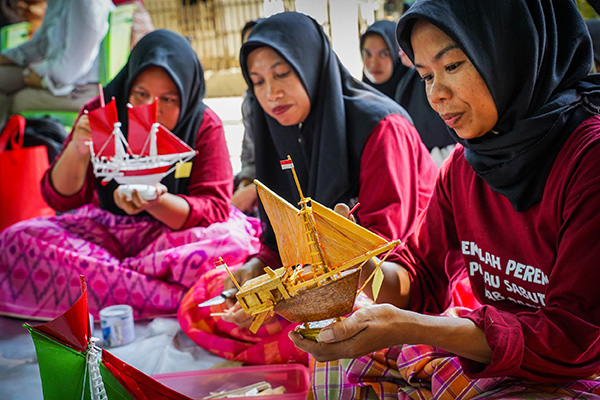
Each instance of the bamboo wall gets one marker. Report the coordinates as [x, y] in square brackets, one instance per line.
[213, 29]
[212, 26]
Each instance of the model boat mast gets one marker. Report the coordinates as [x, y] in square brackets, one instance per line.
[322, 253]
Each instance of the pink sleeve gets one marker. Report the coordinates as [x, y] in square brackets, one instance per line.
[61, 203]
[211, 180]
[396, 179]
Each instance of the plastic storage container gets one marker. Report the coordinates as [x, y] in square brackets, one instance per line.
[199, 384]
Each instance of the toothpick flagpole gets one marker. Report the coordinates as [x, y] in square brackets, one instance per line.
[290, 165]
[222, 264]
[101, 95]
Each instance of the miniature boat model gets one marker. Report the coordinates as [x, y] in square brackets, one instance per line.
[322, 253]
[145, 157]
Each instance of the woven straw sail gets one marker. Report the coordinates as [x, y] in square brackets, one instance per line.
[288, 226]
[328, 243]
[340, 239]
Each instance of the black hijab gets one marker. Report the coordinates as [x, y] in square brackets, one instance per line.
[594, 29]
[172, 52]
[535, 57]
[327, 147]
[387, 30]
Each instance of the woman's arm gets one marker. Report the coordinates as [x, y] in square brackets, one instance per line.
[168, 208]
[381, 326]
[211, 182]
[397, 177]
[70, 170]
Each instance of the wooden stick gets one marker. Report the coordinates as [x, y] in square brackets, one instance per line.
[353, 209]
[101, 94]
[218, 314]
[296, 180]
[230, 274]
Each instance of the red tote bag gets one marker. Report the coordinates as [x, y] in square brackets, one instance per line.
[21, 171]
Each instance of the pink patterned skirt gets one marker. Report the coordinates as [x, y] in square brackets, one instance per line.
[124, 259]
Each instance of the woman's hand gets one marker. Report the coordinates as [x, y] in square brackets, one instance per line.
[82, 134]
[367, 330]
[32, 79]
[136, 204]
[251, 269]
[344, 211]
[382, 326]
[236, 315]
[69, 173]
[245, 198]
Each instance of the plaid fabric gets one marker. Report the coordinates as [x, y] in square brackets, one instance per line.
[421, 372]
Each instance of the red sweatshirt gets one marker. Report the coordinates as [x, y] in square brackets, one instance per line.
[397, 175]
[210, 186]
[536, 272]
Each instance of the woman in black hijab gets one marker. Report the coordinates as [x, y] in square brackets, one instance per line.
[379, 50]
[347, 141]
[388, 70]
[145, 253]
[328, 136]
[164, 50]
[517, 200]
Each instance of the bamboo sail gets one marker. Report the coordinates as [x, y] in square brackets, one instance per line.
[321, 252]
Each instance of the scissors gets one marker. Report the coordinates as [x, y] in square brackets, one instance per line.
[226, 294]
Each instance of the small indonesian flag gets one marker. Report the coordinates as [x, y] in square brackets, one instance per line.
[220, 264]
[286, 164]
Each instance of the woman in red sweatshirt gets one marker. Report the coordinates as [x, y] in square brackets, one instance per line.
[518, 200]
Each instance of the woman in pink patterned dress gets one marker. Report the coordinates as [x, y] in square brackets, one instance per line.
[137, 252]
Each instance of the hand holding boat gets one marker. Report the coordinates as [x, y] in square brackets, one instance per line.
[365, 331]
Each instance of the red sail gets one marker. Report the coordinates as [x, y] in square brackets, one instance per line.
[102, 124]
[73, 327]
[141, 119]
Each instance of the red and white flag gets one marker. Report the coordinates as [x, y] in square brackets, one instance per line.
[286, 164]
[220, 264]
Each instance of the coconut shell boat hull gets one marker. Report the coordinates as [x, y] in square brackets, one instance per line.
[329, 301]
